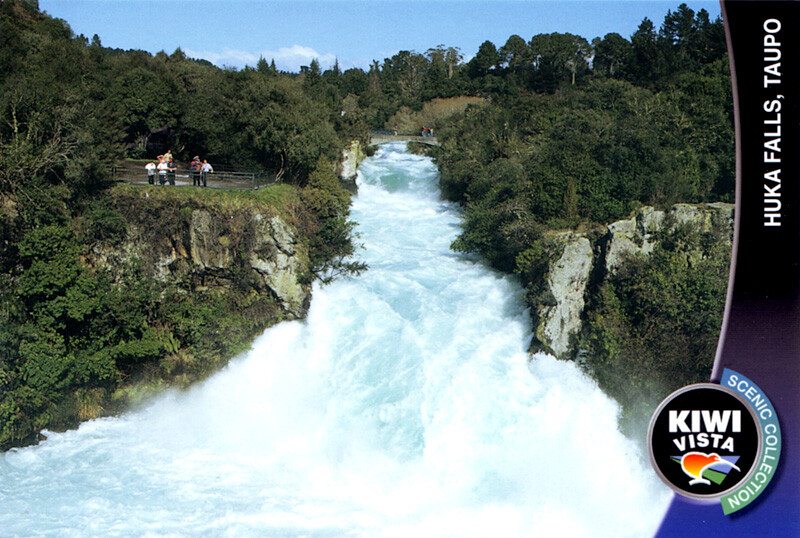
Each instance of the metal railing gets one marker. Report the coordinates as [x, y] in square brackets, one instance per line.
[222, 179]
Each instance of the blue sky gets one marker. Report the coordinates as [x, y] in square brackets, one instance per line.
[236, 33]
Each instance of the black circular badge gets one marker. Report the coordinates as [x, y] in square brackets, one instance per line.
[704, 440]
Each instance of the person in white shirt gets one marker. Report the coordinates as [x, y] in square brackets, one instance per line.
[207, 169]
[162, 171]
[151, 172]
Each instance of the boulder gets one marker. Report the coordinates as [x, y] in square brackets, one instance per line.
[566, 282]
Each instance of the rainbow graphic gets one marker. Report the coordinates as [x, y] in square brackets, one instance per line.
[705, 468]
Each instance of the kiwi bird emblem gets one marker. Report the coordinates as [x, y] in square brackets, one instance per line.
[694, 465]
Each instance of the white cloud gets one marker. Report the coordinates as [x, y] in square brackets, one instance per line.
[286, 58]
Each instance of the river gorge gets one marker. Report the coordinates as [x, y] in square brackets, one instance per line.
[405, 404]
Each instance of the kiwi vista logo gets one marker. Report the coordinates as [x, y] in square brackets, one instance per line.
[716, 442]
[698, 464]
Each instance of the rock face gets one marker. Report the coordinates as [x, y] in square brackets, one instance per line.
[637, 234]
[275, 258]
[566, 282]
[207, 247]
[351, 156]
[632, 236]
[588, 258]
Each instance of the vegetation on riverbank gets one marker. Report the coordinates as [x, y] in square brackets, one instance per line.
[88, 322]
[81, 333]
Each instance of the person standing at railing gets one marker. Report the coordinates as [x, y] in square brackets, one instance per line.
[162, 170]
[196, 168]
[206, 169]
[151, 172]
[171, 172]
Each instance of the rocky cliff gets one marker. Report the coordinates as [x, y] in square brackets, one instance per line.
[198, 244]
[146, 288]
[351, 156]
[583, 261]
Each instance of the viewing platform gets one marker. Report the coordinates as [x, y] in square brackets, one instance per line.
[135, 173]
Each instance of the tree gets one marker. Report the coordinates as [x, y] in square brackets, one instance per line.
[515, 56]
[329, 205]
[485, 60]
[677, 36]
[612, 55]
[708, 44]
[645, 61]
[262, 66]
[558, 58]
[311, 73]
[679, 29]
[354, 81]
[403, 76]
[444, 58]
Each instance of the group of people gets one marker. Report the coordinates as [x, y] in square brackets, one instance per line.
[427, 131]
[200, 171]
[166, 170]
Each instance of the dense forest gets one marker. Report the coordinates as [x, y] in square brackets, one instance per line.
[547, 133]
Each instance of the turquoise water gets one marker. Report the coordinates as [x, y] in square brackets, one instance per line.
[405, 405]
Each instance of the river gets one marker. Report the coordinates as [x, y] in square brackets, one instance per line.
[405, 405]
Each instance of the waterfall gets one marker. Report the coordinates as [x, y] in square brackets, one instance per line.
[404, 405]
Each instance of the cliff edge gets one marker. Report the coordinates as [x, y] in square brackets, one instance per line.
[638, 304]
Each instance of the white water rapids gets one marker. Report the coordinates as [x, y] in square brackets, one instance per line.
[405, 405]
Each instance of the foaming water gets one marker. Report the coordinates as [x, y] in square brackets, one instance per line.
[405, 405]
